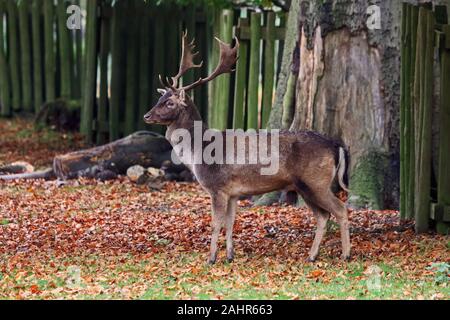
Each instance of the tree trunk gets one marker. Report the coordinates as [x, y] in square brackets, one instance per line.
[347, 87]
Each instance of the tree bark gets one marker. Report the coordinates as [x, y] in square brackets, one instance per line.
[348, 88]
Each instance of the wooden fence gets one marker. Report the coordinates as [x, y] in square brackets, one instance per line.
[425, 193]
[112, 66]
[40, 58]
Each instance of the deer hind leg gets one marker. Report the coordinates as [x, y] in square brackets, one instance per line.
[322, 218]
[329, 202]
[219, 212]
[229, 223]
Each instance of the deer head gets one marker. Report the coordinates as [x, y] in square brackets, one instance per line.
[174, 98]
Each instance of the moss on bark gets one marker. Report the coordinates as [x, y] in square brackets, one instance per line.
[368, 181]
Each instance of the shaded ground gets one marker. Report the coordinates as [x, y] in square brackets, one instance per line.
[119, 240]
[19, 141]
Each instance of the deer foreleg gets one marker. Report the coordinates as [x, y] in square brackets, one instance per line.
[219, 213]
[231, 215]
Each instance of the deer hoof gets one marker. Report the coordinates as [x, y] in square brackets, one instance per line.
[345, 257]
[212, 261]
[311, 259]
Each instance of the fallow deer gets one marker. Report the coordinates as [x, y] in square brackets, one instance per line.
[309, 163]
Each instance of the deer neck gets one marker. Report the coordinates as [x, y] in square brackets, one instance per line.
[186, 120]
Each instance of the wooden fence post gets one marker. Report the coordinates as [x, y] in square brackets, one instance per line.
[403, 93]
[423, 136]
[102, 109]
[201, 93]
[444, 129]
[50, 57]
[222, 104]
[36, 15]
[13, 53]
[241, 80]
[87, 112]
[117, 70]
[213, 51]
[5, 93]
[25, 51]
[78, 70]
[65, 50]
[132, 70]
[190, 28]
[159, 56]
[269, 69]
[145, 46]
[253, 82]
[413, 27]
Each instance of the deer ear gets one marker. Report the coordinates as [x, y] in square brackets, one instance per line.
[162, 91]
[182, 96]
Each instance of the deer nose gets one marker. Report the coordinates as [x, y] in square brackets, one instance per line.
[148, 116]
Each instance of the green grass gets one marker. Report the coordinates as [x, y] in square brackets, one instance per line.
[187, 276]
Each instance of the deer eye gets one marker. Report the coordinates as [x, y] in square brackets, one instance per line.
[170, 105]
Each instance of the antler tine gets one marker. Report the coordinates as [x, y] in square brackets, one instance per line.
[228, 59]
[187, 59]
[162, 81]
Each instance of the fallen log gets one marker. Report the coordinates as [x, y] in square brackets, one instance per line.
[143, 148]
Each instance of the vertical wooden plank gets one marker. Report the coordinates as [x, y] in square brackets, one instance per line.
[132, 70]
[412, 46]
[444, 126]
[13, 54]
[201, 93]
[87, 112]
[223, 83]
[241, 81]
[269, 69]
[253, 83]
[65, 50]
[213, 50]
[173, 40]
[418, 93]
[5, 93]
[403, 93]
[102, 110]
[25, 51]
[144, 65]
[190, 12]
[422, 214]
[38, 78]
[118, 58]
[50, 58]
[159, 56]
[78, 65]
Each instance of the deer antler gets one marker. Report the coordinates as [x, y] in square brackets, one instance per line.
[228, 59]
[187, 60]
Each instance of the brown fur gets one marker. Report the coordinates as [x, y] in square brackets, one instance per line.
[308, 164]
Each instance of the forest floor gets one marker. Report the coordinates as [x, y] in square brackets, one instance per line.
[116, 240]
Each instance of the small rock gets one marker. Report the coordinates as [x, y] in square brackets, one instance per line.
[142, 180]
[154, 172]
[135, 172]
[28, 168]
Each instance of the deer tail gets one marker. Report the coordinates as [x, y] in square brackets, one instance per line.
[342, 168]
